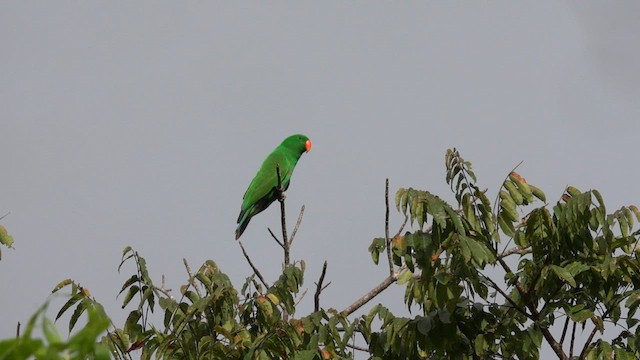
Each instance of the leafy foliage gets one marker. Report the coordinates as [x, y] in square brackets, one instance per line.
[82, 345]
[575, 264]
[5, 238]
[483, 279]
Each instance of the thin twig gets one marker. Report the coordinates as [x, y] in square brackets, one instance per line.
[191, 277]
[275, 238]
[5, 215]
[356, 347]
[319, 288]
[406, 218]
[300, 298]
[386, 226]
[253, 267]
[507, 297]
[295, 228]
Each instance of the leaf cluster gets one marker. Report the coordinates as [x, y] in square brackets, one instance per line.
[573, 265]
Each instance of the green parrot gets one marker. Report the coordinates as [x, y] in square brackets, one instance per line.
[262, 190]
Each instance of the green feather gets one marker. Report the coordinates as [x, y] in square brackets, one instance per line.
[262, 189]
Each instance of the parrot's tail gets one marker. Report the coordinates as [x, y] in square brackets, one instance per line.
[243, 221]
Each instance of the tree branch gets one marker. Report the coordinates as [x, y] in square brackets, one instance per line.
[285, 238]
[573, 338]
[191, 277]
[386, 226]
[295, 228]
[255, 269]
[583, 353]
[535, 315]
[319, 288]
[299, 298]
[356, 347]
[406, 218]
[370, 295]
[514, 250]
[508, 298]
[564, 332]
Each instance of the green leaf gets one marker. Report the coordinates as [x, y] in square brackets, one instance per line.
[563, 274]
[579, 313]
[5, 238]
[538, 193]
[576, 267]
[377, 246]
[622, 354]
[456, 220]
[480, 344]
[50, 331]
[477, 250]
[506, 225]
[399, 194]
[404, 277]
[514, 193]
[61, 285]
[305, 355]
[77, 313]
[72, 300]
[133, 290]
[133, 279]
[437, 210]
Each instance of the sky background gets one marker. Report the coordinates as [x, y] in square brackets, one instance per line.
[142, 124]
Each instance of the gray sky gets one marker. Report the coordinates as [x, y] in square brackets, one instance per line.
[142, 124]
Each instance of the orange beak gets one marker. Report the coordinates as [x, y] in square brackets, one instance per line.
[307, 145]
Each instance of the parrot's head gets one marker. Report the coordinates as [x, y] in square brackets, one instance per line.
[298, 143]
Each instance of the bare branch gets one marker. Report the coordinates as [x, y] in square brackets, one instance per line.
[163, 289]
[285, 239]
[507, 297]
[255, 269]
[406, 218]
[564, 332]
[370, 295]
[17, 328]
[573, 339]
[300, 298]
[191, 277]
[515, 250]
[275, 238]
[583, 353]
[319, 288]
[356, 347]
[295, 228]
[386, 226]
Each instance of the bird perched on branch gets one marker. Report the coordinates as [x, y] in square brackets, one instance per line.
[263, 189]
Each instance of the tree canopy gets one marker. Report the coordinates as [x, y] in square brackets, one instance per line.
[484, 279]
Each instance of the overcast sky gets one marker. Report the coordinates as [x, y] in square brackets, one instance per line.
[142, 124]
